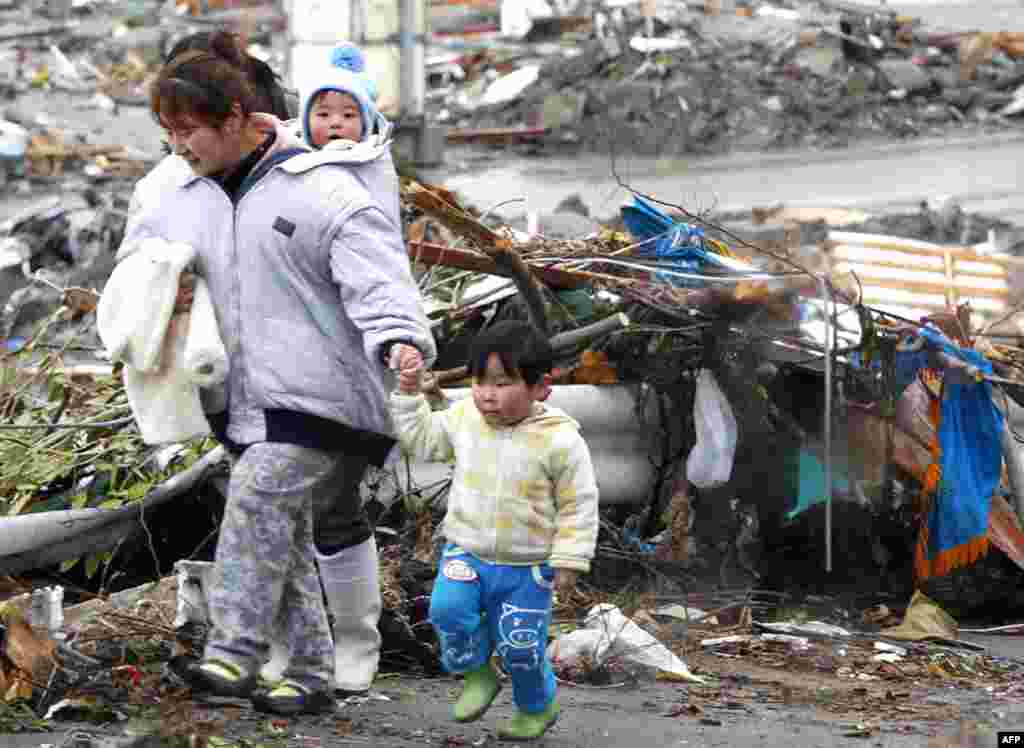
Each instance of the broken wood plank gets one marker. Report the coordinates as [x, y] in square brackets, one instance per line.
[959, 268]
[80, 151]
[498, 135]
[836, 239]
[9, 34]
[934, 288]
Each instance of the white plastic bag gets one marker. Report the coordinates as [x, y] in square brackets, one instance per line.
[710, 461]
[607, 633]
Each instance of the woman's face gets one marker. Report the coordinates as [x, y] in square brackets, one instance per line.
[208, 150]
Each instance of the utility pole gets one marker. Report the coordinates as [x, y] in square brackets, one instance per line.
[422, 143]
[412, 43]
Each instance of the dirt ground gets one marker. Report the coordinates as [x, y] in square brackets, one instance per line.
[742, 705]
[746, 700]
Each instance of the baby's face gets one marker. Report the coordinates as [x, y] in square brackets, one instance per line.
[335, 116]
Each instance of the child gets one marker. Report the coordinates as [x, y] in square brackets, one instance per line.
[338, 113]
[522, 518]
[341, 106]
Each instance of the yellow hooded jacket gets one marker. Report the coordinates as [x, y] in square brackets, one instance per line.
[522, 494]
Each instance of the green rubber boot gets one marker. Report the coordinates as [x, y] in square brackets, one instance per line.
[479, 687]
[525, 726]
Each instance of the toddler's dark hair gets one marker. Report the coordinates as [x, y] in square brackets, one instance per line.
[520, 347]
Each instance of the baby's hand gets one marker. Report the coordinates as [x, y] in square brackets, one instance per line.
[408, 362]
[565, 584]
[186, 293]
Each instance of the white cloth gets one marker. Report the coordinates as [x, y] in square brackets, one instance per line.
[166, 356]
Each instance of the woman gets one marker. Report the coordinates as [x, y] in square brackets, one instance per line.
[312, 287]
[347, 551]
[266, 87]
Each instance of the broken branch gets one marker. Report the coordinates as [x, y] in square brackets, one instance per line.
[510, 261]
[451, 217]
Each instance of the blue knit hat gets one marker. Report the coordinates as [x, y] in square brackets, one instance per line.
[346, 74]
[348, 56]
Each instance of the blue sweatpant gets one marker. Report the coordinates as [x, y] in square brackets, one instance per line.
[478, 608]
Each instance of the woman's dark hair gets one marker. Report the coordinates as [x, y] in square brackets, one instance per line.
[520, 347]
[202, 85]
[228, 47]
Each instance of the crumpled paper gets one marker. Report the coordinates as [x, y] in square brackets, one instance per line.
[923, 620]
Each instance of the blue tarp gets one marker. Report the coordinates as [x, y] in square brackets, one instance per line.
[682, 244]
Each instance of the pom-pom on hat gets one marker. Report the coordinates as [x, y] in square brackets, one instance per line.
[348, 56]
[345, 74]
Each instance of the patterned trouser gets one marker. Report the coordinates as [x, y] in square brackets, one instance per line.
[478, 608]
[265, 576]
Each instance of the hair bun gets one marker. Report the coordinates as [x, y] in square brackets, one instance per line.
[228, 46]
[348, 56]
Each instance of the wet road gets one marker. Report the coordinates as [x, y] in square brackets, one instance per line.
[981, 172]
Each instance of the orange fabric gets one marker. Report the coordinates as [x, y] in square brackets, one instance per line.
[949, 560]
[953, 558]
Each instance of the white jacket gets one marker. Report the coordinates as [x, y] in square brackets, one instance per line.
[311, 284]
[166, 356]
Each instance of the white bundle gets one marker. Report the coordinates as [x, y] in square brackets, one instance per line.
[166, 356]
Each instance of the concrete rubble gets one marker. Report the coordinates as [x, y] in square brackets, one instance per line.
[704, 79]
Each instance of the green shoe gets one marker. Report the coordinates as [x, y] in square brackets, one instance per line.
[289, 698]
[215, 677]
[525, 726]
[479, 687]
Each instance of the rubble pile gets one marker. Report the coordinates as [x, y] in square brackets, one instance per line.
[74, 79]
[772, 75]
[94, 71]
[657, 305]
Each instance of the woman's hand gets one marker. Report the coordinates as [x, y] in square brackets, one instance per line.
[408, 362]
[186, 293]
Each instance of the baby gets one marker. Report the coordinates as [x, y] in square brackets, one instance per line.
[341, 106]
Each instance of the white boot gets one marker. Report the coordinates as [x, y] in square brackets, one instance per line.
[352, 587]
[274, 668]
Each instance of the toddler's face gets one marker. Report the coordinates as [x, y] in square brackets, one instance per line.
[502, 397]
[334, 116]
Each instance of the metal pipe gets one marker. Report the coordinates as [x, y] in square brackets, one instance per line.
[570, 339]
[618, 428]
[665, 267]
[32, 541]
[826, 300]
